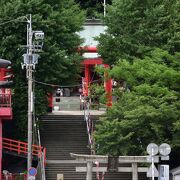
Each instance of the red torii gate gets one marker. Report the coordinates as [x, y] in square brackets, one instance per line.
[89, 62]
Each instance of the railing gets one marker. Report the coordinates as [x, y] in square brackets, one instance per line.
[42, 159]
[10, 176]
[89, 123]
[22, 147]
[5, 100]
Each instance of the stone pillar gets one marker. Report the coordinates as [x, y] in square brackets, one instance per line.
[134, 171]
[89, 170]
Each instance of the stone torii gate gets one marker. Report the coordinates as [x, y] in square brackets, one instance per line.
[90, 159]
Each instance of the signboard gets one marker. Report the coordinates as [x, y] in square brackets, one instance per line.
[152, 171]
[60, 177]
[163, 172]
[155, 159]
[152, 149]
[113, 163]
[31, 178]
[32, 171]
[176, 177]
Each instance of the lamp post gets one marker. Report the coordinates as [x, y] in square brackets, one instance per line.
[30, 60]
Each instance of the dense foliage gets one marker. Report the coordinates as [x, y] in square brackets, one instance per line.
[142, 43]
[148, 111]
[135, 27]
[60, 21]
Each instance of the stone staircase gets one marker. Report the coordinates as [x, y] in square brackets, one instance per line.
[65, 134]
[68, 168]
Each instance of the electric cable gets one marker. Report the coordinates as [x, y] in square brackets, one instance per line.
[61, 86]
[6, 22]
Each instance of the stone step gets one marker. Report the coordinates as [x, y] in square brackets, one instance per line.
[68, 170]
[62, 135]
[65, 134]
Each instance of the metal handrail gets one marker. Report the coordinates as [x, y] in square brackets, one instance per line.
[10, 176]
[42, 159]
[89, 123]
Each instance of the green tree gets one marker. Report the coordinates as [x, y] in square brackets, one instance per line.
[135, 27]
[60, 21]
[148, 111]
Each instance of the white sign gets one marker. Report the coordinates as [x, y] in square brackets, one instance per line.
[31, 178]
[176, 177]
[152, 171]
[152, 149]
[163, 172]
[155, 159]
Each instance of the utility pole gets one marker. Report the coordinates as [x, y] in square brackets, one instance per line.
[30, 98]
[30, 60]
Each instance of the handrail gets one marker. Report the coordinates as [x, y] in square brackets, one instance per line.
[89, 122]
[21, 147]
[44, 154]
[15, 176]
[42, 158]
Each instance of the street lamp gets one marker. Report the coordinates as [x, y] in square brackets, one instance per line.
[34, 44]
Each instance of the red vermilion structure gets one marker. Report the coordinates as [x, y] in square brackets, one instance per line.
[6, 115]
[22, 148]
[89, 49]
[88, 63]
[108, 86]
[50, 101]
[5, 108]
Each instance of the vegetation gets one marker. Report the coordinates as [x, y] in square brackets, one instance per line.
[136, 27]
[60, 21]
[148, 111]
[142, 43]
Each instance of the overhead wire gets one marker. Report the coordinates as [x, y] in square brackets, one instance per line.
[12, 20]
[61, 86]
[55, 85]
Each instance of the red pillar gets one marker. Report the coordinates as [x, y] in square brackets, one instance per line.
[2, 75]
[50, 102]
[2, 90]
[0, 149]
[108, 87]
[87, 79]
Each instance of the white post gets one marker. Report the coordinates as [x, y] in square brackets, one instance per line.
[104, 8]
[152, 164]
[134, 171]
[89, 170]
